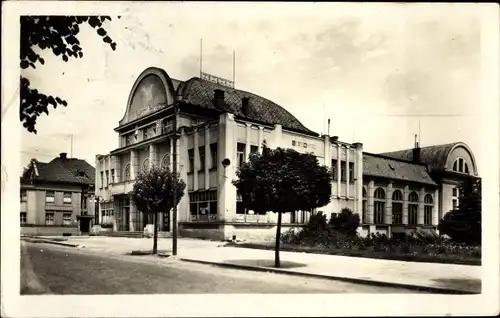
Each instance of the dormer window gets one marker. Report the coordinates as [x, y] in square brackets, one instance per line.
[460, 166]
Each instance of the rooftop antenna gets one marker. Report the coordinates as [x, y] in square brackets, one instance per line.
[328, 131]
[201, 56]
[234, 68]
[419, 132]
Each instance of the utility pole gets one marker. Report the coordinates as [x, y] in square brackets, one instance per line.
[174, 197]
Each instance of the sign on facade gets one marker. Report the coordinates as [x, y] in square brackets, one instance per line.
[217, 80]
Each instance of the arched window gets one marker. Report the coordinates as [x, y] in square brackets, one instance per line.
[397, 207]
[127, 172]
[145, 165]
[413, 208]
[364, 206]
[379, 206]
[460, 166]
[466, 168]
[428, 207]
[165, 161]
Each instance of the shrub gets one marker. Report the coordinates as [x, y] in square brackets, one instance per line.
[346, 222]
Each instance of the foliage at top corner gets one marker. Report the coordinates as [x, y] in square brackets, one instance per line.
[58, 34]
[283, 180]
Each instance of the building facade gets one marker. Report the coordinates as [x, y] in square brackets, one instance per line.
[56, 197]
[217, 122]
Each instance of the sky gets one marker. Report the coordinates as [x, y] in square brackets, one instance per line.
[378, 72]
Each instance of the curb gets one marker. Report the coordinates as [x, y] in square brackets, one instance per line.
[429, 289]
[37, 240]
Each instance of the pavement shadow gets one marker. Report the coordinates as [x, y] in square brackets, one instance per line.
[147, 252]
[473, 285]
[264, 263]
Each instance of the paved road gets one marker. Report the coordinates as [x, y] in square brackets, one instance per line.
[52, 269]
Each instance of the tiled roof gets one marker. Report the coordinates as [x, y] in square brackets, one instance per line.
[383, 167]
[433, 156]
[200, 92]
[61, 170]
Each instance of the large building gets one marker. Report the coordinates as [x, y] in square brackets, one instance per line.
[57, 197]
[217, 122]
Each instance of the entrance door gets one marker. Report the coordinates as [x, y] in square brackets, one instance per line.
[166, 222]
[85, 225]
[125, 218]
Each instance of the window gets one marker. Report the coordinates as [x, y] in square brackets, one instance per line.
[112, 176]
[428, 207]
[240, 151]
[334, 169]
[67, 198]
[84, 202]
[165, 161]
[67, 219]
[254, 149]
[49, 218]
[351, 171]
[413, 209]
[191, 160]
[460, 166]
[454, 200]
[364, 220]
[379, 206]
[24, 196]
[201, 152]
[127, 172]
[107, 212]
[466, 168]
[342, 171]
[24, 218]
[49, 197]
[102, 179]
[397, 207]
[203, 205]
[145, 165]
[107, 178]
[213, 155]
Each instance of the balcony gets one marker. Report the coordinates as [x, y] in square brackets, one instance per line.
[123, 187]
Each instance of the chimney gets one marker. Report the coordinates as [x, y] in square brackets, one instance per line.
[245, 106]
[334, 138]
[63, 155]
[416, 152]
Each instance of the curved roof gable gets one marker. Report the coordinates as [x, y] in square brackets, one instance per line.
[434, 157]
[200, 92]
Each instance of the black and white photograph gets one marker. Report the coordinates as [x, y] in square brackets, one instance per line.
[249, 159]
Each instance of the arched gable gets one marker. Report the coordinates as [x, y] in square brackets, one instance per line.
[152, 90]
[461, 151]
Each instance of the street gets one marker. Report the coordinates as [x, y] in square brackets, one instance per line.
[53, 269]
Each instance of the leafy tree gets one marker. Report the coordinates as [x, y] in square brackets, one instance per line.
[283, 180]
[463, 225]
[58, 34]
[153, 192]
[346, 222]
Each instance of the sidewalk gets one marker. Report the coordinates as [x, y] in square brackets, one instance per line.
[432, 276]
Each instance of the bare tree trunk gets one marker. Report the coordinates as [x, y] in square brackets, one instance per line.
[155, 235]
[277, 245]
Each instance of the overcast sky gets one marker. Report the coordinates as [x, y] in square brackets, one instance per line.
[375, 71]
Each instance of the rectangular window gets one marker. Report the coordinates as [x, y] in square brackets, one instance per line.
[203, 206]
[397, 213]
[67, 198]
[102, 180]
[254, 149]
[191, 160]
[112, 176]
[428, 215]
[24, 218]
[67, 219]
[240, 151]
[351, 171]
[379, 212]
[49, 197]
[213, 154]
[455, 192]
[364, 219]
[201, 151]
[49, 218]
[412, 214]
[24, 196]
[342, 171]
[107, 178]
[334, 169]
[455, 204]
